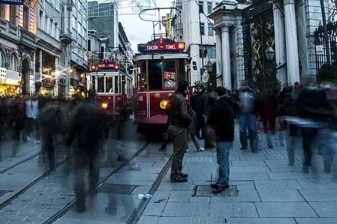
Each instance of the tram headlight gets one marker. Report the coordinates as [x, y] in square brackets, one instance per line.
[104, 105]
[163, 104]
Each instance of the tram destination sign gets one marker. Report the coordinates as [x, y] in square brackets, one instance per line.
[12, 2]
[162, 45]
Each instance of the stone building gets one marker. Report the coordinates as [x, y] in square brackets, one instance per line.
[259, 42]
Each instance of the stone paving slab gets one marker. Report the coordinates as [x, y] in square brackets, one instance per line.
[186, 210]
[277, 185]
[272, 195]
[285, 210]
[316, 220]
[325, 209]
[319, 195]
[234, 210]
[191, 220]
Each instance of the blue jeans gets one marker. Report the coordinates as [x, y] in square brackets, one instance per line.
[248, 121]
[223, 162]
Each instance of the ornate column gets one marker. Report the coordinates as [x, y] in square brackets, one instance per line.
[291, 42]
[226, 65]
[280, 53]
[218, 56]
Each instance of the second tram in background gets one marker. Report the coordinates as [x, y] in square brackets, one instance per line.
[162, 65]
[114, 89]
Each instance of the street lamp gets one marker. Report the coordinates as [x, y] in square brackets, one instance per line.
[209, 67]
[270, 53]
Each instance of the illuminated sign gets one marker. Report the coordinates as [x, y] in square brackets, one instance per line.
[107, 64]
[12, 2]
[161, 45]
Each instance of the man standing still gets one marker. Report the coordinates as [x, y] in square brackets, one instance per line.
[177, 109]
[221, 118]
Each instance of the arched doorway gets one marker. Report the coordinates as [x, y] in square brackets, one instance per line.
[25, 77]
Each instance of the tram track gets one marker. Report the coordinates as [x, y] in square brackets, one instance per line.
[27, 187]
[2, 171]
[71, 204]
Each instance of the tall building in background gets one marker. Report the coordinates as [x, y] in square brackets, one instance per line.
[103, 18]
[196, 30]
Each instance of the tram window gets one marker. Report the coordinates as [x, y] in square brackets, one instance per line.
[181, 69]
[108, 85]
[155, 75]
[141, 77]
[100, 85]
[117, 84]
[169, 76]
[93, 83]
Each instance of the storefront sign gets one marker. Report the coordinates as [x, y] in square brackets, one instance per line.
[12, 2]
[13, 78]
[48, 80]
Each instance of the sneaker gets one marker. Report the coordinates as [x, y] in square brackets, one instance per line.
[186, 150]
[37, 141]
[179, 180]
[201, 149]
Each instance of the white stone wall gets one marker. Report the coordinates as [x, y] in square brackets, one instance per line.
[239, 54]
[313, 16]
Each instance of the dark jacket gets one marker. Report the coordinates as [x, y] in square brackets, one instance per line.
[221, 118]
[88, 126]
[177, 109]
[199, 104]
[192, 128]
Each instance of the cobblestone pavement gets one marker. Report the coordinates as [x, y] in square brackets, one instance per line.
[269, 191]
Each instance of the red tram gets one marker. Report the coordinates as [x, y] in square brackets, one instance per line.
[113, 88]
[162, 65]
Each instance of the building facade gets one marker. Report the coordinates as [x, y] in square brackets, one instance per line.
[17, 48]
[196, 30]
[41, 46]
[262, 42]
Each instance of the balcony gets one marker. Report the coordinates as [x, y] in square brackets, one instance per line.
[65, 37]
[9, 30]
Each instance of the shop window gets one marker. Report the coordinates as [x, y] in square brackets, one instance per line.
[14, 63]
[108, 85]
[2, 59]
[100, 85]
[169, 75]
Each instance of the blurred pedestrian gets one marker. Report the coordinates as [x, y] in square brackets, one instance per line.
[88, 132]
[192, 129]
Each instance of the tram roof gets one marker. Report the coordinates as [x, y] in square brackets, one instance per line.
[162, 56]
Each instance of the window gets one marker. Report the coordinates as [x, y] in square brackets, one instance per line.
[2, 59]
[12, 13]
[108, 85]
[211, 52]
[209, 7]
[46, 24]
[169, 75]
[155, 75]
[41, 19]
[100, 85]
[202, 28]
[73, 22]
[51, 28]
[117, 84]
[201, 6]
[210, 29]
[2, 11]
[25, 17]
[89, 45]
[14, 63]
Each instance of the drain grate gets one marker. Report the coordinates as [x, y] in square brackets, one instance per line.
[4, 192]
[206, 191]
[117, 189]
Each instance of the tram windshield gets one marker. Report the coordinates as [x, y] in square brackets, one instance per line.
[113, 84]
[162, 74]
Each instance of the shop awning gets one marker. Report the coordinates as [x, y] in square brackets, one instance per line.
[13, 78]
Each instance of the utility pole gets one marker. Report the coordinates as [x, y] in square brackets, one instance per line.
[326, 38]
